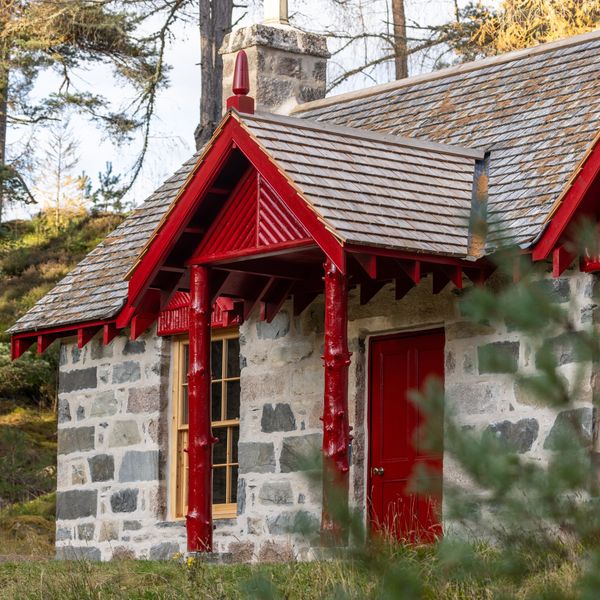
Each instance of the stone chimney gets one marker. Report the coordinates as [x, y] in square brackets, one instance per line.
[287, 66]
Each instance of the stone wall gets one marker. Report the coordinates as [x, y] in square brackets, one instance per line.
[112, 442]
[114, 438]
[282, 387]
[478, 397]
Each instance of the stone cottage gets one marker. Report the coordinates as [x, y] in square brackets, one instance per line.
[283, 290]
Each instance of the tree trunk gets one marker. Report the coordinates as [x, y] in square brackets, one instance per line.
[400, 43]
[4, 75]
[215, 23]
[4, 81]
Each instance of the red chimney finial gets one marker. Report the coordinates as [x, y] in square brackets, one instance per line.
[241, 86]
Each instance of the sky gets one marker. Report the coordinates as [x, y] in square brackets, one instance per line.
[177, 107]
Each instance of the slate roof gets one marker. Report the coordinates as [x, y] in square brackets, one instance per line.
[96, 288]
[536, 110]
[374, 189]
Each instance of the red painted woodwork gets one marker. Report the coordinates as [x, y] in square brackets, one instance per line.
[231, 133]
[20, 342]
[200, 438]
[109, 333]
[589, 264]
[336, 431]
[574, 199]
[253, 220]
[399, 363]
[561, 259]
[176, 318]
[412, 269]
[241, 86]
[44, 340]
[18, 346]
[140, 323]
[180, 214]
[85, 334]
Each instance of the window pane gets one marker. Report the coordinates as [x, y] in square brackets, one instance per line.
[184, 416]
[220, 448]
[185, 368]
[216, 359]
[235, 434]
[233, 357]
[216, 401]
[219, 483]
[233, 399]
[234, 480]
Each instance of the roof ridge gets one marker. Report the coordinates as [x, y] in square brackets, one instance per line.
[362, 134]
[455, 70]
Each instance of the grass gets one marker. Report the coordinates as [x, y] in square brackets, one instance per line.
[27, 480]
[325, 579]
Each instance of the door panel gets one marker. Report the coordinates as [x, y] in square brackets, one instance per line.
[398, 364]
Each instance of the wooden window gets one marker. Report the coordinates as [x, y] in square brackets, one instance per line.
[225, 409]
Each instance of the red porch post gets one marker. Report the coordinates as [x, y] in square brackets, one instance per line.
[200, 439]
[336, 433]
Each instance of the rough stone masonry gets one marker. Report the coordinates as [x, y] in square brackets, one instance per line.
[114, 411]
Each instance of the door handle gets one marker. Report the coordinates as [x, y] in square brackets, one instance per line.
[377, 470]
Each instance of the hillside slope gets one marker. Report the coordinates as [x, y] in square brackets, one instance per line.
[33, 258]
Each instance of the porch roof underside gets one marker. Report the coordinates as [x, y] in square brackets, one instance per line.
[537, 111]
[368, 189]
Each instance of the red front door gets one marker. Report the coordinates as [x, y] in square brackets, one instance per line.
[398, 364]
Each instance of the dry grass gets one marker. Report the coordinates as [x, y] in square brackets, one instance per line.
[45, 579]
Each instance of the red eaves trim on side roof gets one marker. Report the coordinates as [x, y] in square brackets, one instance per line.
[20, 342]
[584, 176]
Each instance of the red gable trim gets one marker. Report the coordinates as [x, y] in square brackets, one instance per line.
[230, 134]
[587, 173]
[180, 213]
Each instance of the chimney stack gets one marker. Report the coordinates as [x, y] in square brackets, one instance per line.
[287, 66]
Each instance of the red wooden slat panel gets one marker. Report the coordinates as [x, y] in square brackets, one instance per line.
[235, 226]
[175, 318]
[276, 224]
[253, 218]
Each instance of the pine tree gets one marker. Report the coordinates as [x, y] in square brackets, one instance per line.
[109, 194]
[65, 36]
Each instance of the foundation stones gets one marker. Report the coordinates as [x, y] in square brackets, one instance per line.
[102, 467]
[75, 439]
[139, 466]
[571, 424]
[126, 372]
[124, 501]
[80, 379]
[124, 433]
[298, 453]
[75, 504]
[276, 492]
